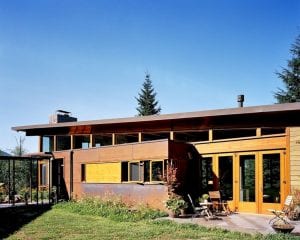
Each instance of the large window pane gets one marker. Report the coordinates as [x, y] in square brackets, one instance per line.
[225, 177]
[48, 143]
[157, 171]
[247, 178]
[135, 171]
[81, 142]
[206, 174]
[63, 143]
[271, 178]
[124, 169]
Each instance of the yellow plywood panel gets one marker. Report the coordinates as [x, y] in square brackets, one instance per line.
[103, 173]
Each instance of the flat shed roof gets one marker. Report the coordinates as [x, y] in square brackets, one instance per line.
[287, 114]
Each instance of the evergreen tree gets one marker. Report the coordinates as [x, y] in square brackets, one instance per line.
[147, 104]
[290, 77]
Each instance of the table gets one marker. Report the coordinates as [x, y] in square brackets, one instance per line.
[207, 211]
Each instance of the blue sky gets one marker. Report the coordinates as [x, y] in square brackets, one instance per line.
[90, 57]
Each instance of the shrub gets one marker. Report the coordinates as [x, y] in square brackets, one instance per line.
[112, 209]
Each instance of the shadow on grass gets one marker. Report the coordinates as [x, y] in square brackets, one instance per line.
[13, 218]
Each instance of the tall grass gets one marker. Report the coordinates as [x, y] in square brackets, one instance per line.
[112, 209]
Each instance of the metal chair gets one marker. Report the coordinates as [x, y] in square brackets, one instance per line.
[199, 210]
[281, 215]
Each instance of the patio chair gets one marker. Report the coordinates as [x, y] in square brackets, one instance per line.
[198, 211]
[219, 205]
[281, 215]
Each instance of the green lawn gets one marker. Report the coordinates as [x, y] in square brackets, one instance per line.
[63, 223]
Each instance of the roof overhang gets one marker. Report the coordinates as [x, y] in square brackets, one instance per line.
[276, 115]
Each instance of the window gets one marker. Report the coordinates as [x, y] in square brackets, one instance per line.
[155, 136]
[126, 138]
[134, 171]
[189, 136]
[48, 143]
[233, 133]
[83, 173]
[63, 143]
[143, 171]
[43, 174]
[157, 171]
[102, 140]
[124, 172]
[81, 142]
[270, 131]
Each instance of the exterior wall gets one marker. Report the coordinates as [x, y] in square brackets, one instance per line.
[133, 194]
[152, 194]
[295, 157]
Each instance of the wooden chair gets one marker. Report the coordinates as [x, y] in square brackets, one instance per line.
[281, 215]
[219, 206]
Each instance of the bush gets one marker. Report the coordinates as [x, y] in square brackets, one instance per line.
[112, 209]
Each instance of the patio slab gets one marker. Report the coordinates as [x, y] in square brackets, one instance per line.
[241, 222]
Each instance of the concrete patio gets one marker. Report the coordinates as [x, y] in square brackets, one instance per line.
[241, 222]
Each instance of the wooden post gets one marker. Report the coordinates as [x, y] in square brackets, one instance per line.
[140, 137]
[210, 135]
[113, 139]
[91, 141]
[72, 141]
[54, 143]
[171, 135]
[258, 132]
[40, 143]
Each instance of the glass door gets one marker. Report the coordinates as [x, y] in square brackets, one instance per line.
[246, 191]
[271, 181]
[226, 177]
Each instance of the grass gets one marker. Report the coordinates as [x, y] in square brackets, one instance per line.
[80, 221]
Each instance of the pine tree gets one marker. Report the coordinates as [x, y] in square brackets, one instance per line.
[290, 77]
[147, 104]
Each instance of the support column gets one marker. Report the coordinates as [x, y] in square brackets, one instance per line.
[210, 135]
[258, 132]
[113, 139]
[140, 137]
[171, 135]
[72, 142]
[40, 143]
[91, 141]
[55, 143]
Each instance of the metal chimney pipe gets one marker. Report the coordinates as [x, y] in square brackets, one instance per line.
[240, 99]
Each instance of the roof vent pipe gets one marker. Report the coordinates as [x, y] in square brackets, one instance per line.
[240, 99]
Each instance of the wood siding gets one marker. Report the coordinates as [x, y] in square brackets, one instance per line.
[242, 145]
[103, 173]
[295, 157]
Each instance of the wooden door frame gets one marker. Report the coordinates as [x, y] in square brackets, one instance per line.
[263, 207]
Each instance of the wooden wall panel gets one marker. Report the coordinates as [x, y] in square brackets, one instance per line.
[255, 144]
[295, 157]
[154, 150]
[103, 173]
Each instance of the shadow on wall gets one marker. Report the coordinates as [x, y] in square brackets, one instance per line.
[13, 218]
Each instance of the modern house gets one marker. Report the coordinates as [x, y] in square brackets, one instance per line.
[250, 154]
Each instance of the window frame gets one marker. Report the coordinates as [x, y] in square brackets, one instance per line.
[141, 168]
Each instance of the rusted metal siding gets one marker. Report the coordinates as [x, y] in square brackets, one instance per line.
[132, 194]
[148, 193]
